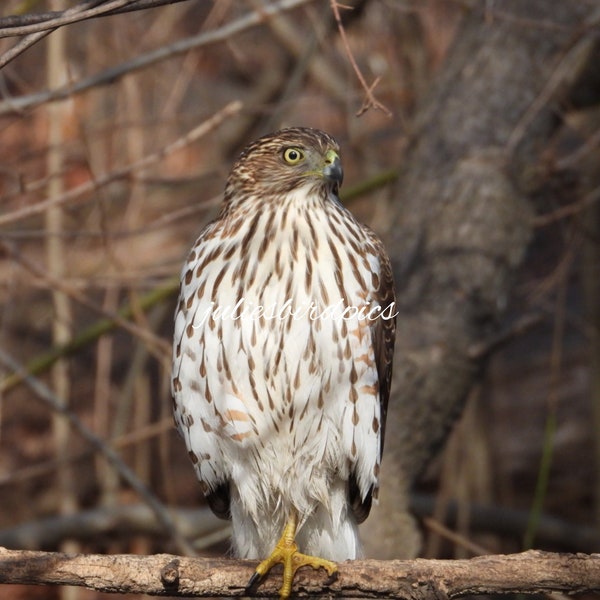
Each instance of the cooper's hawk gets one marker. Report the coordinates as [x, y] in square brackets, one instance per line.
[282, 357]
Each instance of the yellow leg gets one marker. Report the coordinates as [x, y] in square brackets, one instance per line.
[286, 553]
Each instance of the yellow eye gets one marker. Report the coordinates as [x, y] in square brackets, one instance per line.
[293, 156]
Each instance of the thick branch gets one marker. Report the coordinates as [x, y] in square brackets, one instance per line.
[164, 574]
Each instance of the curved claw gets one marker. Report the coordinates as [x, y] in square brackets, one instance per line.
[286, 553]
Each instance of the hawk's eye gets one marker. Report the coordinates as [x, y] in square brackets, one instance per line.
[293, 156]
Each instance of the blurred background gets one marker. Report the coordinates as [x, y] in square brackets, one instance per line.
[104, 188]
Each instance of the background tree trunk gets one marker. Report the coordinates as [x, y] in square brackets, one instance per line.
[462, 223]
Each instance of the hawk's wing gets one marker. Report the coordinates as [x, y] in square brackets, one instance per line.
[383, 332]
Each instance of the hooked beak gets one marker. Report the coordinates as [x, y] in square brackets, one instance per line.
[333, 168]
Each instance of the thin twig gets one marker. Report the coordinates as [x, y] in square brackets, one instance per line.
[44, 393]
[112, 74]
[552, 399]
[454, 537]
[568, 65]
[484, 348]
[39, 17]
[22, 45]
[35, 32]
[573, 159]
[85, 10]
[201, 130]
[121, 521]
[90, 334]
[569, 210]
[123, 441]
[37, 26]
[554, 532]
[370, 100]
[58, 284]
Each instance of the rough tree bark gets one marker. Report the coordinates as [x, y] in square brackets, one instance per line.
[462, 223]
[167, 575]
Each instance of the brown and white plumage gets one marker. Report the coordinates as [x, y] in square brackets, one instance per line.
[283, 409]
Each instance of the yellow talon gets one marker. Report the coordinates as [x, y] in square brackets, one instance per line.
[286, 553]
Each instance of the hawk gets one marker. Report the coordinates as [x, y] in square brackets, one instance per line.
[282, 357]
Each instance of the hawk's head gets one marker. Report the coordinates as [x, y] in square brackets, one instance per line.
[284, 161]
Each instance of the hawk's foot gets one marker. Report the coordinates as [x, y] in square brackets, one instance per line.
[286, 553]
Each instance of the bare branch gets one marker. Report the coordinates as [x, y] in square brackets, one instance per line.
[37, 31]
[14, 25]
[569, 210]
[562, 76]
[45, 394]
[112, 74]
[86, 10]
[36, 26]
[155, 342]
[49, 466]
[44, 361]
[24, 44]
[370, 100]
[206, 126]
[122, 521]
[118, 521]
[168, 575]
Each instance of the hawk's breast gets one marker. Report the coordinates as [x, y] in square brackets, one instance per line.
[274, 370]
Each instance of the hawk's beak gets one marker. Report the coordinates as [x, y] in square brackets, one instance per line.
[333, 168]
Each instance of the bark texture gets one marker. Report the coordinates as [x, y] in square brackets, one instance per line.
[462, 223]
[168, 575]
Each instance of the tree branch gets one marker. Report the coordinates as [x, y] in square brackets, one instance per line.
[56, 404]
[165, 574]
[14, 25]
[36, 26]
[370, 100]
[119, 522]
[112, 74]
[203, 527]
[199, 131]
[86, 10]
